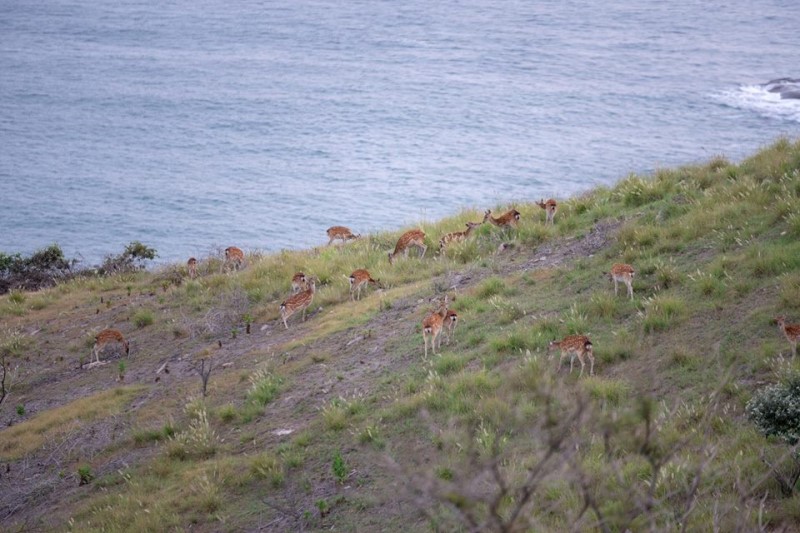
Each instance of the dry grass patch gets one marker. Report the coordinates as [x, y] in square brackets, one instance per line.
[28, 436]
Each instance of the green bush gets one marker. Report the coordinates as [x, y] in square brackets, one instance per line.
[775, 410]
[143, 317]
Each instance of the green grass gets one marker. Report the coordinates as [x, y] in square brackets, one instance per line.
[716, 253]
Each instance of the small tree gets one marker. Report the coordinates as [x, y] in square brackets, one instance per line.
[204, 366]
[131, 260]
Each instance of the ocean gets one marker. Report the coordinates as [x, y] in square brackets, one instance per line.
[190, 125]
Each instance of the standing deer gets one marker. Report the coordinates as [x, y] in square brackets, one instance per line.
[358, 279]
[450, 322]
[457, 236]
[234, 257]
[621, 272]
[432, 326]
[191, 264]
[414, 237]
[550, 207]
[340, 232]
[298, 302]
[507, 220]
[575, 345]
[106, 338]
[298, 282]
[790, 331]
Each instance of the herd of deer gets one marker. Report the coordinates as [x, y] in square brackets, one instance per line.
[441, 318]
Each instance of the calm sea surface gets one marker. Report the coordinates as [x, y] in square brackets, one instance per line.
[189, 124]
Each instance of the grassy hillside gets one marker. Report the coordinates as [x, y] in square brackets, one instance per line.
[341, 423]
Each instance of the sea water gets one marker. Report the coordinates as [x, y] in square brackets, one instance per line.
[194, 124]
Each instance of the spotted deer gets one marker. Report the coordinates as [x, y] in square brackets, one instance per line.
[191, 264]
[358, 279]
[550, 207]
[450, 322]
[575, 345]
[414, 237]
[790, 331]
[298, 302]
[340, 232]
[298, 282]
[234, 258]
[507, 220]
[621, 272]
[432, 326]
[457, 236]
[106, 338]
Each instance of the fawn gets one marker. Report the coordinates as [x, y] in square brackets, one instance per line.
[432, 326]
[298, 282]
[191, 264]
[299, 301]
[507, 220]
[414, 237]
[340, 232]
[109, 337]
[550, 207]
[450, 321]
[790, 331]
[457, 236]
[624, 273]
[573, 345]
[234, 257]
[358, 279]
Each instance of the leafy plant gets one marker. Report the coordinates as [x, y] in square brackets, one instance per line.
[339, 468]
[85, 475]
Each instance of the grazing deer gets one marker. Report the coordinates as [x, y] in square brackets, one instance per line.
[432, 326]
[790, 331]
[450, 321]
[106, 338]
[573, 345]
[507, 220]
[299, 301]
[358, 279]
[550, 207]
[340, 232]
[191, 264]
[234, 257]
[624, 273]
[457, 236]
[414, 237]
[298, 282]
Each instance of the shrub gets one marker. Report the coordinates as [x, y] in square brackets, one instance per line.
[85, 475]
[131, 260]
[775, 410]
[42, 269]
[143, 317]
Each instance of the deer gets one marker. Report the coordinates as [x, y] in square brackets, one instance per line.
[790, 331]
[507, 220]
[358, 279]
[298, 282]
[299, 301]
[432, 326]
[457, 236]
[574, 345]
[450, 322]
[234, 257]
[414, 237]
[621, 272]
[550, 207]
[191, 264]
[340, 232]
[106, 338]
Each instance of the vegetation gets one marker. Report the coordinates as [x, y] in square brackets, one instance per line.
[689, 422]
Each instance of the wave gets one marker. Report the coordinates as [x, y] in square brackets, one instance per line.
[775, 99]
